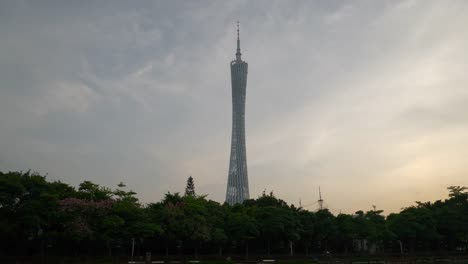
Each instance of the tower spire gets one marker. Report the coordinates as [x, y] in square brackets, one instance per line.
[238, 52]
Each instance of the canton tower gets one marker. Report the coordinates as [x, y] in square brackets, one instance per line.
[238, 183]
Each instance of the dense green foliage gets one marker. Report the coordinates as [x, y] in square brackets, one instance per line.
[42, 217]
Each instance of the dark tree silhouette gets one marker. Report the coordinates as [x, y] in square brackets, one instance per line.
[190, 188]
[45, 218]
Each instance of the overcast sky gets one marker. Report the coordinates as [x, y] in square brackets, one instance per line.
[368, 99]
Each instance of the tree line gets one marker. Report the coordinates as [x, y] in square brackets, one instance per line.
[39, 217]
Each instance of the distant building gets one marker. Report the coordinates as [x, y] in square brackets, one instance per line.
[238, 183]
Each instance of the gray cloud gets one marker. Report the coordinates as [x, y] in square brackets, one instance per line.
[366, 99]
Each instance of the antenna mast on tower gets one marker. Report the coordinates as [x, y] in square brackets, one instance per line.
[320, 200]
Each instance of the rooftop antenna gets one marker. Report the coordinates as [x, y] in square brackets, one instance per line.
[320, 200]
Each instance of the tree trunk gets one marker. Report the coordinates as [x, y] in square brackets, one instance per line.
[291, 248]
[42, 251]
[109, 248]
[246, 250]
[133, 247]
[75, 249]
[268, 247]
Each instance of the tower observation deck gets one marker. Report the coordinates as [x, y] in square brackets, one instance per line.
[238, 183]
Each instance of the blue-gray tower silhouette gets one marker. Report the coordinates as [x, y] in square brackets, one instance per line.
[238, 182]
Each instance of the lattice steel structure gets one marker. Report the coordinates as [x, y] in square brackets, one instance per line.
[238, 183]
